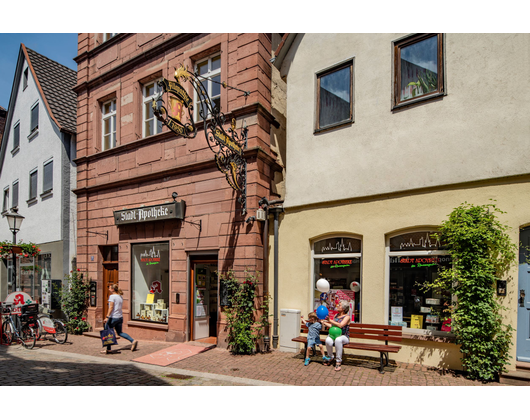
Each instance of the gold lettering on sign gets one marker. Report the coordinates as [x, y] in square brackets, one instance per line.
[227, 141]
[173, 126]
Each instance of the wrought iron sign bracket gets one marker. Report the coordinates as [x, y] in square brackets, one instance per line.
[106, 235]
[227, 145]
[195, 223]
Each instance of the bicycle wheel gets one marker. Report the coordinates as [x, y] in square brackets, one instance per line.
[27, 335]
[37, 329]
[61, 334]
[7, 332]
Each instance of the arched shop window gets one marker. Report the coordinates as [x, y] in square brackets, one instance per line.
[414, 259]
[338, 260]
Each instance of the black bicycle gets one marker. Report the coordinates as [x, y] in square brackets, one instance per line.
[20, 327]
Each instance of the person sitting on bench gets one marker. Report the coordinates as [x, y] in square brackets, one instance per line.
[341, 320]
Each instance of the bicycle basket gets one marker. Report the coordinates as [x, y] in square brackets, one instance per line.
[32, 308]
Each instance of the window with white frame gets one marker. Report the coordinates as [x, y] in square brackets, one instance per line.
[209, 71]
[108, 122]
[47, 178]
[106, 37]
[338, 260]
[151, 125]
[414, 261]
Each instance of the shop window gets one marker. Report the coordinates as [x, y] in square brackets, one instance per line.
[338, 260]
[418, 68]
[415, 260]
[335, 96]
[150, 282]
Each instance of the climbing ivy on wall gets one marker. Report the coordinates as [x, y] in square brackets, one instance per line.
[482, 252]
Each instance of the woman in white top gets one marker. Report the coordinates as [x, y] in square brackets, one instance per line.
[114, 317]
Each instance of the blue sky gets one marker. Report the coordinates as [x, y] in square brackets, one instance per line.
[60, 47]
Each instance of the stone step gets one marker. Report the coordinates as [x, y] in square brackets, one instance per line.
[520, 376]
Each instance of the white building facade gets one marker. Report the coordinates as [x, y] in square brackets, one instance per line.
[37, 173]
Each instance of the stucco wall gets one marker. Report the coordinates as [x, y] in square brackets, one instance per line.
[373, 220]
[480, 130]
[41, 223]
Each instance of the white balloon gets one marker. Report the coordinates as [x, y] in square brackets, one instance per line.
[355, 286]
[323, 285]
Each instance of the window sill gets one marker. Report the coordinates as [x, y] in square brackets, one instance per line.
[46, 194]
[418, 100]
[4, 213]
[426, 335]
[153, 326]
[15, 150]
[333, 126]
[32, 201]
[33, 134]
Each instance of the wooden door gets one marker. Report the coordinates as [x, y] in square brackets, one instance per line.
[110, 276]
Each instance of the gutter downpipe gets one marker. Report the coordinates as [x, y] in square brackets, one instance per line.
[276, 211]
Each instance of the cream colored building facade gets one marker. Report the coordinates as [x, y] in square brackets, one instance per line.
[396, 166]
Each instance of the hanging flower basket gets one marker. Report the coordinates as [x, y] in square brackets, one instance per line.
[7, 249]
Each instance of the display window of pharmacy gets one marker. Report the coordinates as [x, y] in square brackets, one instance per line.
[150, 282]
[414, 260]
[338, 260]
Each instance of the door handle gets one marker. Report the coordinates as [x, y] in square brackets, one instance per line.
[521, 298]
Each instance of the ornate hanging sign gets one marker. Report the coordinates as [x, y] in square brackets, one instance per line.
[227, 145]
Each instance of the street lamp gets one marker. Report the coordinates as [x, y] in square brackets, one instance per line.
[15, 221]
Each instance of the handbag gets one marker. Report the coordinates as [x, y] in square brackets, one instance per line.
[108, 337]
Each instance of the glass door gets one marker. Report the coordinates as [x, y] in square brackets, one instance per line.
[204, 298]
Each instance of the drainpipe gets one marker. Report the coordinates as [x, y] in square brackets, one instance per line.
[265, 204]
[276, 211]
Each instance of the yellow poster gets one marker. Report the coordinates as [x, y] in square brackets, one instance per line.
[150, 298]
[416, 321]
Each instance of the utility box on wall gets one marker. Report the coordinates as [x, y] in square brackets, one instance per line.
[290, 323]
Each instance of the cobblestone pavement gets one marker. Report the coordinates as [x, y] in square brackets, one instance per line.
[79, 362]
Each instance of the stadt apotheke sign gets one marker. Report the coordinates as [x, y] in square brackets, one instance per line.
[154, 213]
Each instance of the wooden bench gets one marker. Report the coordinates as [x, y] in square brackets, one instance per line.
[372, 332]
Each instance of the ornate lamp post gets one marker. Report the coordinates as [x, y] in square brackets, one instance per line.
[15, 221]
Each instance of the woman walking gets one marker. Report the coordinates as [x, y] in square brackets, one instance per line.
[114, 317]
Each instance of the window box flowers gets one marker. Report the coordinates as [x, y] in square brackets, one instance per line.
[7, 249]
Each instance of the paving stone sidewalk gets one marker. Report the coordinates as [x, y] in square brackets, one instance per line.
[80, 358]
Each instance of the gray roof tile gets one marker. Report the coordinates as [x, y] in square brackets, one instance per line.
[57, 82]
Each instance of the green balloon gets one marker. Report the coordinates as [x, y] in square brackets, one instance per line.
[335, 332]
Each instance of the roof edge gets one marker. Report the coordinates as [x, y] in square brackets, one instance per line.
[283, 49]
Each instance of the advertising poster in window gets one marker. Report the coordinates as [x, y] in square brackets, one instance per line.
[342, 274]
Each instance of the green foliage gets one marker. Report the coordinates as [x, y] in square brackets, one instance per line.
[427, 83]
[482, 252]
[74, 300]
[243, 328]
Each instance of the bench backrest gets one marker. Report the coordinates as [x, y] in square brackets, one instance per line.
[369, 331]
